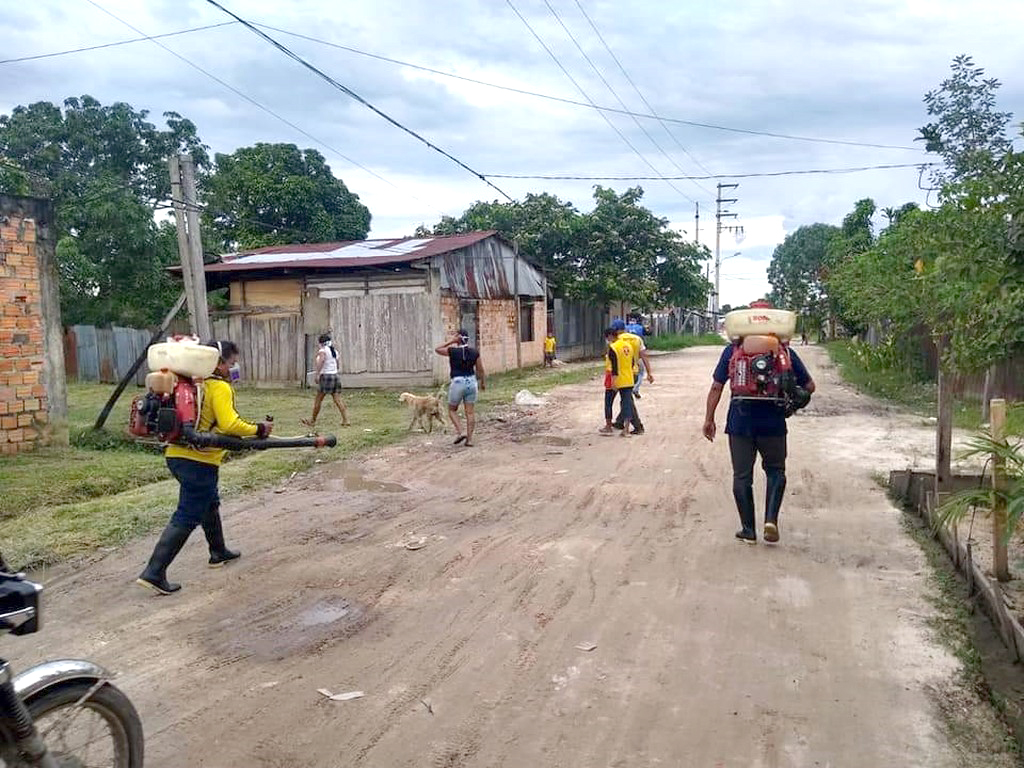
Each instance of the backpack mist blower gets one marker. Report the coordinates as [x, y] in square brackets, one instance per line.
[761, 367]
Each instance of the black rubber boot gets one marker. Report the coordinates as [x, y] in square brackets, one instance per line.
[167, 548]
[773, 503]
[214, 530]
[744, 496]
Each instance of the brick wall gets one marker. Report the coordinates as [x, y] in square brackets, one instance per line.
[28, 394]
[496, 332]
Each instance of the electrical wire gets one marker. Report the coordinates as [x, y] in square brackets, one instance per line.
[117, 43]
[622, 104]
[352, 94]
[643, 98]
[264, 108]
[510, 89]
[579, 87]
[575, 103]
[805, 172]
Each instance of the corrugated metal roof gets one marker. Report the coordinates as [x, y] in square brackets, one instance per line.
[357, 253]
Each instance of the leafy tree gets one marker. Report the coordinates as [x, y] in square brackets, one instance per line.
[104, 167]
[968, 132]
[274, 194]
[798, 269]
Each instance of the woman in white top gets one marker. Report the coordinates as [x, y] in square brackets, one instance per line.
[328, 380]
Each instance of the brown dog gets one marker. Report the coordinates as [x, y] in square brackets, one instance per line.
[428, 406]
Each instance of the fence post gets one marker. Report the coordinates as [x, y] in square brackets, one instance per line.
[1001, 568]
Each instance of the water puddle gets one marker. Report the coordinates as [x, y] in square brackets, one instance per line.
[354, 481]
[326, 612]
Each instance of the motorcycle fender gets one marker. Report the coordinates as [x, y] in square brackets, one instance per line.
[50, 674]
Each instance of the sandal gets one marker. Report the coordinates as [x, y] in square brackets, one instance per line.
[606, 431]
[458, 439]
[308, 423]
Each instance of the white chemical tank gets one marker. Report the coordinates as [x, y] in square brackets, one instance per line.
[185, 358]
[741, 323]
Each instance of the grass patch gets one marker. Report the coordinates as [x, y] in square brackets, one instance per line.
[899, 385]
[953, 625]
[105, 489]
[673, 341]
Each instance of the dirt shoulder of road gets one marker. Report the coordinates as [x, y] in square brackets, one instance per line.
[550, 597]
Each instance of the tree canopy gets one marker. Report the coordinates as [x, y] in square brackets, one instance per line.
[104, 167]
[274, 194]
[956, 269]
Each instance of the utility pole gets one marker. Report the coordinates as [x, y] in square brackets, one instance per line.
[696, 224]
[719, 215]
[190, 244]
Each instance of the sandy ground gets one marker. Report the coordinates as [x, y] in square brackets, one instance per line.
[815, 652]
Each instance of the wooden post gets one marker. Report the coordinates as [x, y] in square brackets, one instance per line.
[190, 245]
[1000, 567]
[519, 309]
[184, 248]
[188, 186]
[944, 433]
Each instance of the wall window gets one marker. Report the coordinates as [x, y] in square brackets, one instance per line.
[526, 330]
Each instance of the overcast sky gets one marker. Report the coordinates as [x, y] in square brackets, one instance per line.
[853, 71]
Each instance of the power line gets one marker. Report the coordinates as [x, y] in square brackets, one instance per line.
[804, 172]
[116, 44]
[591, 101]
[641, 95]
[622, 104]
[520, 91]
[575, 103]
[263, 107]
[349, 92]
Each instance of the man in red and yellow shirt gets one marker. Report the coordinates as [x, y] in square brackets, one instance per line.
[619, 380]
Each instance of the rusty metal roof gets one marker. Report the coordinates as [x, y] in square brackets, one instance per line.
[353, 253]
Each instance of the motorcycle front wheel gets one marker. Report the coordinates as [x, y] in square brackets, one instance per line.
[104, 730]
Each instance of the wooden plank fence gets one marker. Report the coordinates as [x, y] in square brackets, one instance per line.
[103, 354]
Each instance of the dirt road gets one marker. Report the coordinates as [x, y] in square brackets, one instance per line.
[709, 653]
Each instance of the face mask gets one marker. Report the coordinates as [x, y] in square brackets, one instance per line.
[235, 372]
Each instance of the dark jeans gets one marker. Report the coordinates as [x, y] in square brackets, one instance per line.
[634, 417]
[625, 404]
[197, 492]
[743, 451]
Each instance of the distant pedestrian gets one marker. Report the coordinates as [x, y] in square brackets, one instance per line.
[549, 350]
[467, 378]
[619, 381]
[641, 363]
[328, 381]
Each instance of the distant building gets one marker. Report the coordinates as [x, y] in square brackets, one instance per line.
[388, 303]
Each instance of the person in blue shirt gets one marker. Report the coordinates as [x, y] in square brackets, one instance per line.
[754, 427]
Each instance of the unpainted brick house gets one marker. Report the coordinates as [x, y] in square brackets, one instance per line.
[387, 303]
[33, 393]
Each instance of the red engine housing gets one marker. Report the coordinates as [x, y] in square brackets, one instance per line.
[164, 416]
[759, 374]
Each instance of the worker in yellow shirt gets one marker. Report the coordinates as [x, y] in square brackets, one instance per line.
[196, 470]
[641, 363]
[549, 350]
[619, 380]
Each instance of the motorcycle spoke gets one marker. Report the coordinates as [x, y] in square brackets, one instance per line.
[56, 736]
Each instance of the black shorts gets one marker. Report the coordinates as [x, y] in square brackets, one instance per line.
[330, 383]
